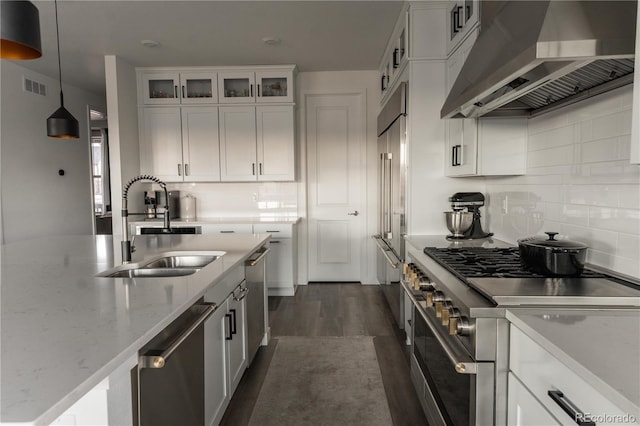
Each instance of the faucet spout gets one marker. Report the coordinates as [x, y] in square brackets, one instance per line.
[127, 245]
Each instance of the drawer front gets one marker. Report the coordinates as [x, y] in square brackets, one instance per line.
[524, 409]
[541, 372]
[277, 230]
[244, 228]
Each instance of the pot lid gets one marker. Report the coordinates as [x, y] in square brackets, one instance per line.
[551, 242]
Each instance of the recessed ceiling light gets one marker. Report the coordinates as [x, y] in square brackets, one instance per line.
[149, 43]
[270, 40]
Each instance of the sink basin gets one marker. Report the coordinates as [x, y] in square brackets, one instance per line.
[182, 261]
[152, 273]
[170, 264]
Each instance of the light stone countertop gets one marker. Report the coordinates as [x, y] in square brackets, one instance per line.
[276, 219]
[601, 345]
[64, 330]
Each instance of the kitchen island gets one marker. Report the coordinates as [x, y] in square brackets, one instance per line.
[64, 329]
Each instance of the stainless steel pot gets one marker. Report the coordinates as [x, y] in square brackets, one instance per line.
[553, 257]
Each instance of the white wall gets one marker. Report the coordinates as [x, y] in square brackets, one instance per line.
[124, 148]
[330, 82]
[36, 201]
[579, 182]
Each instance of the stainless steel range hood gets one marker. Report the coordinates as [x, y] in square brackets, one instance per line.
[534, 56]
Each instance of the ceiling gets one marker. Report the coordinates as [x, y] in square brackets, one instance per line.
[315, 35]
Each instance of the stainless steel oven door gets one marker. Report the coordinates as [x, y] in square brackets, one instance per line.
[457, 389]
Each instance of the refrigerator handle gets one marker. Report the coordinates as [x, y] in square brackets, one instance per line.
[389, 204]
[383, 193]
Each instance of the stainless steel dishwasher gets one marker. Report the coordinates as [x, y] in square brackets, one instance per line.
[257, 320]
[171, 372]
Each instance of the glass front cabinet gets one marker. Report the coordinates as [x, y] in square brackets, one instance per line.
[259, 86]
[179, 88]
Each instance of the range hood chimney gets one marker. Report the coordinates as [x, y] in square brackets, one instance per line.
[535, 56]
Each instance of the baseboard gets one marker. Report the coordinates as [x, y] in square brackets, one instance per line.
[281, 291]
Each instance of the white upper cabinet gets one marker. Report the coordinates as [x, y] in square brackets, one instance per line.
[238, 143]
[180, 144]
[418, 34]
[167, 88]
[463, 17]
[257, 143]
[264, 86]
[275, 143]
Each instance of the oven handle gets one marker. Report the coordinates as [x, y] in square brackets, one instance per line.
[462, 362]
[385, 251]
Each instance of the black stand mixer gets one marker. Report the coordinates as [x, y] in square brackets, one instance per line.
[471, 202]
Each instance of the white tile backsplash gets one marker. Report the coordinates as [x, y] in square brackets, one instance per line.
[579, 182]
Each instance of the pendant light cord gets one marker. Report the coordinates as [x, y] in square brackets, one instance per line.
[58, 40]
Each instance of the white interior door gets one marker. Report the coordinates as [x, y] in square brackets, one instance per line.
[335, 134]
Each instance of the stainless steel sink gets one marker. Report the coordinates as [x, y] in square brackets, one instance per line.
[182, 261]
[170, 264]
[152, 273]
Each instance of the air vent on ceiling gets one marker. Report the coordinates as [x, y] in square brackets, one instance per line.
[34, 86]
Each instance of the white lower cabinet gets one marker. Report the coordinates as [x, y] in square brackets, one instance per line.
[544, 390]
[225, 353]
[281, 262]
[216, 382]
[524, 409]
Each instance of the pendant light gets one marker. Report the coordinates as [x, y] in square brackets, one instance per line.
[19, 30]
[61, 124]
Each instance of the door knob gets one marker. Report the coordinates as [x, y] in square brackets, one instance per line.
[355, 213]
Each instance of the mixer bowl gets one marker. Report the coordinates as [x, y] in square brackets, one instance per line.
[458, 222]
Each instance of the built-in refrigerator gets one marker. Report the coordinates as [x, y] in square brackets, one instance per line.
[391, 199]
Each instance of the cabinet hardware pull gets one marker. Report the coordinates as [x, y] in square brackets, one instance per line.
[179, 169]
[382, 84]
[274, 242]
[251, 89]
[230, 336]
[186, 169]
[272, 231]
[395, 57]
[234, 325]
[259, 91]
[253, 169]
[158, 361]
[254, 262]
[569, 407]
[183, 96]
[260, 168]
[175, 92]
[227, 232]
[243, 293]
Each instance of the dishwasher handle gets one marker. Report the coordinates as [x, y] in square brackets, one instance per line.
[158, 361]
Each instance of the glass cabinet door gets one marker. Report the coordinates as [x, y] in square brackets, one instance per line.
[161, 88]
[274, 86]
[236, 87]
[199, 88]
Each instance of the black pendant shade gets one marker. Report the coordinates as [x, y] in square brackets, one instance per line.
[61, 124]
[19, 30]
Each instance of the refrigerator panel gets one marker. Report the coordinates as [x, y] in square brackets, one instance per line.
[396, 148]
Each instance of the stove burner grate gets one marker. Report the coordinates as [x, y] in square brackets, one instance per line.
[480, 262]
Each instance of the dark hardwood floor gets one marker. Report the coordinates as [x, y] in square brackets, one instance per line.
[332, 309]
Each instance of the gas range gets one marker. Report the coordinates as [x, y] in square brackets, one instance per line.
[499, 275]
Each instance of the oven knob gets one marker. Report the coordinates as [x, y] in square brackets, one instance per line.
[438, 299]
[424, 283]
[454, 316]
[405, 268]
[444, 316]
[428, 297]
[462, 326]
[418, 280]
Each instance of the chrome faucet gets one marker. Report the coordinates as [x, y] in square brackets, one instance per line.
[127, 246]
